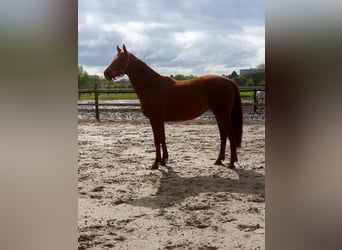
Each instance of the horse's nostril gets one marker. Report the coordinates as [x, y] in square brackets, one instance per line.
[107, 75]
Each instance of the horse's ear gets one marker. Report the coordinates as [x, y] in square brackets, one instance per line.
[118, 48]
[124, 48]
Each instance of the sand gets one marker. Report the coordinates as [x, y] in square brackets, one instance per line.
[189, 204]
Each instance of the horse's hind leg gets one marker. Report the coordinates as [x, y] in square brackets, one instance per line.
[223, 137]
[233, 146]
[226, 129]
[163, 143]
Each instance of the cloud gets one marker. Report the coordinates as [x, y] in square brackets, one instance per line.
[174, 37]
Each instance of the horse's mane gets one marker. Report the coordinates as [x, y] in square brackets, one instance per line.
[143, 65]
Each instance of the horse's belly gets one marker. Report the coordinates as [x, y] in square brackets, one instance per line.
[183, 113]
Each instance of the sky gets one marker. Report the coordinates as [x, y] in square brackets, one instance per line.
[174, 37]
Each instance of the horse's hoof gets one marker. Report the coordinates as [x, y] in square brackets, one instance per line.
[231, 166]
[218, 162]
[164, 161]
[154, 167]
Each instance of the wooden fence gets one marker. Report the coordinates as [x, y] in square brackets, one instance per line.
[97, 92]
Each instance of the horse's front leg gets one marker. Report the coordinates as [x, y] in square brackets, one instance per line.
[163, 143]
[159, 138]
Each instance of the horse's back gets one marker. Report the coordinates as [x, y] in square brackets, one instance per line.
[210, 84]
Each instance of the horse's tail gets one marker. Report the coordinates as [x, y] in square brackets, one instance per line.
[237, 118]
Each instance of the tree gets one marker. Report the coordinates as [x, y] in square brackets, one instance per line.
[79, 74]
[233, 75]
[179, 77]
[183, 77]
[86, 81]
[83, 79]
[250, 81]
[260, 67]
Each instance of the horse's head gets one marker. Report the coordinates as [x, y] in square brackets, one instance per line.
[119, 64]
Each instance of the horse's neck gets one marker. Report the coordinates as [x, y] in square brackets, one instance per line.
[142, 76]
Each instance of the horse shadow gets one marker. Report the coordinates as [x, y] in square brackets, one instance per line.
[174, 188]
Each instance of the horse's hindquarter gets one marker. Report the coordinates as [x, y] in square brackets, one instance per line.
[221, 92]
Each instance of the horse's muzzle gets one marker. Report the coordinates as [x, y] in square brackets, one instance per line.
[108, 74]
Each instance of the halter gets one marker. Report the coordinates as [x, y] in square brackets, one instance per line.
[122, 72]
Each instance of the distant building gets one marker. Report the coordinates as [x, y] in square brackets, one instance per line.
[246, 71]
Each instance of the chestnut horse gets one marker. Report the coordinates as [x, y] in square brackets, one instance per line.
[164, 99]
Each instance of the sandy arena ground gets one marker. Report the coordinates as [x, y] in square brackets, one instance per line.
[190, 204]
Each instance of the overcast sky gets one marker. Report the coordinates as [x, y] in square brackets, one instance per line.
[173, 36]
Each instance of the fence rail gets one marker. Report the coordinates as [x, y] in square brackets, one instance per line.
[97, 92]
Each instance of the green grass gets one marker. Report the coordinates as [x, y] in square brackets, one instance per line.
[114, 96]
[246, 94]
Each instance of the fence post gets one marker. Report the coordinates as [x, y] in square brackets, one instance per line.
[96, 96]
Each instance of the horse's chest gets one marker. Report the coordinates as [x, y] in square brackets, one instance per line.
[151, 108]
